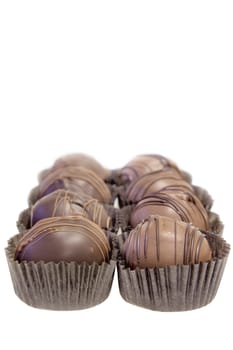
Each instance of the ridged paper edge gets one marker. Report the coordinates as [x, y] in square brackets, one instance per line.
[60, 286]
[174, 288]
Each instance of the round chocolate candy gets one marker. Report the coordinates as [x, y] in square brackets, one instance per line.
[64, 239]
[154, 182]
[160, 241]
[77, 159]
[184, 206]
[65, 203]
[144, 164]
[75, 179]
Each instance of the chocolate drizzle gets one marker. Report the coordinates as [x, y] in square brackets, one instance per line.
[65, 203]
[184, 206]
[76, 179]
[165, 242]
[81, 240]
[144, 164]
[155, 182]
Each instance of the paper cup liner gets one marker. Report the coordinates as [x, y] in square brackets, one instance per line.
[215, 224]
[33, 196]
[42, 174]
[174, 288]
[23, 222]
[204, 197]
[63, 285]
[114, 178]
[122, 217]
[186, 176]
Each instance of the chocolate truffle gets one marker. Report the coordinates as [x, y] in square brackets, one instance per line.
[64, 239]
[65, 203]
[161, 241]
[144, 164]
[184, 206]
[77, 159]
[155, 182]
[75, 179]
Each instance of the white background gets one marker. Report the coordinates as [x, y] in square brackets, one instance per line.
[115, 79]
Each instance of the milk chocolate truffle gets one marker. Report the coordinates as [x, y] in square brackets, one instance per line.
[65, 203]
[144, 164]
[161, 241]
[184, 206]
[77, 159]
[154, 182]
[75, 179]
[64, 239]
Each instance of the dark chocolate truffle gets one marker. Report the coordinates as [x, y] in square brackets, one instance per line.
[65, 203]
[144, 164]
[75, 179]
[184, 206]
[64, 239]
[154, 182]
[161, 241]
[77, 159]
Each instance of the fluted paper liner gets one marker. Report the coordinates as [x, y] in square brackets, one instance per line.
[60, 286]
[174, 288]
[204, 197]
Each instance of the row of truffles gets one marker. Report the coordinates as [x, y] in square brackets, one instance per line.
[67, 219]
[70, 243]
[167, 217]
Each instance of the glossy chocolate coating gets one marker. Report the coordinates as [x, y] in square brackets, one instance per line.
[184, 206]
[64, 239]
[77, 159]
[144, 164]
[161, 241]
[65, 203]
[154, 182]
[75, 179]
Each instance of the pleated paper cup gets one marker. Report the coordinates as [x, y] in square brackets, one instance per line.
[204, 197]
[63, 285]
[174, 288]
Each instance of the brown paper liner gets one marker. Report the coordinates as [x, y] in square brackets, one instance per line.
[122, 217]
[186, 176]
[60, 286]
[33, 196]
[204, 197]
[174, 288]
[215, 224]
